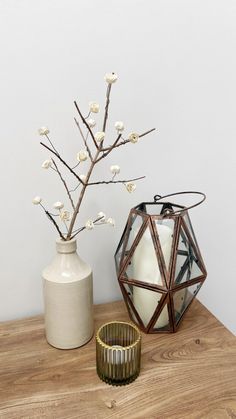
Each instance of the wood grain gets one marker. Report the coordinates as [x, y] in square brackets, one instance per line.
[190, 374]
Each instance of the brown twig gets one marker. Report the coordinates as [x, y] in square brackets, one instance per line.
[110, 149]
[55, 224]
[63, 161]
[83, 228]
[84, 140]
[106, 107]
[77, 208]
[65, 184]
[50, 142]
[74, 189]
[127, 141]
[104, 182]
[79, 231]
[76, 165]
[87, 125]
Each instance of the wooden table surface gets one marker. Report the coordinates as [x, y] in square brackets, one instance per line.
[189, 374]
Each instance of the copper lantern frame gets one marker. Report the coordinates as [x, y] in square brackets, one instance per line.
[181, 274]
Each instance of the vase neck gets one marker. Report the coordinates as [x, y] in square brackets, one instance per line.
[63, 246]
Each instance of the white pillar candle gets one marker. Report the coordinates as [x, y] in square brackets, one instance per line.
[146, 269]
[121, 355]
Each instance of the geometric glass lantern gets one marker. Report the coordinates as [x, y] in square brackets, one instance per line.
[159, 265]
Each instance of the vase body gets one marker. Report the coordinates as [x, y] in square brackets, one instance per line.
[68, 298]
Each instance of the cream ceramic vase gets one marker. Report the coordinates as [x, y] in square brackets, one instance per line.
[68, 298]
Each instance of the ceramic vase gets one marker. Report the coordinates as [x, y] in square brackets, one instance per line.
[68, 298]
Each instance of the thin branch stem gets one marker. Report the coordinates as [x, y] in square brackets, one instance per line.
[114, 145]
[87, 125]
[53, 221]
[106, 107]
[63, 161]
[83, 228]
[55, 224]
[104, 182]
[127, 141]
[79, 230]
[65, 184]
[86, 117]
[84, 139]
[99, 219]
[77, 164]
[77, 208]
[50, 142]
[64, 222]
[73, 190]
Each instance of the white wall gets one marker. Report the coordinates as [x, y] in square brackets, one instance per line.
[176, 66]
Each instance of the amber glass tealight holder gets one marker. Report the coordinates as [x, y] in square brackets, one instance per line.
[118, 352]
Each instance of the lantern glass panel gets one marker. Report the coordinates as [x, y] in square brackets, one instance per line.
[145, 301]
[157, 208]
[163, 322]
[165, 231]
[153, 209]
[133, 315]
[187, 261]
[136, 222]
[143, 265]
[189, 227]
[182, 298]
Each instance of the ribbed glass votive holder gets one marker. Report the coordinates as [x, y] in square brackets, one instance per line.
[118, 352]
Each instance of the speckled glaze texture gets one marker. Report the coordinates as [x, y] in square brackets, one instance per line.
[68, 298]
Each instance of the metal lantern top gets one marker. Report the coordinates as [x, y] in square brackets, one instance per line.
[158, 256]
[168, 208]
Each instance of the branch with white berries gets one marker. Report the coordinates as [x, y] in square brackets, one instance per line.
[83, 155]
[64, 183]
[86, 123]
[124, 182]
[84, 139]
[62, 161]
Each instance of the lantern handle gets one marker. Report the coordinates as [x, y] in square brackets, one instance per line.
[158, 197]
